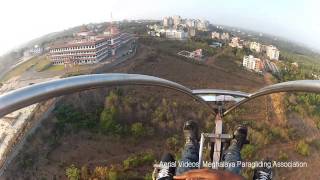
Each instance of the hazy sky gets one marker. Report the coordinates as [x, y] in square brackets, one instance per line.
[23, 20]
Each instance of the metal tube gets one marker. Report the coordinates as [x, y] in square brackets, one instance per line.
[290, 86]
[201, 150]
[23, 97]
[220, 92]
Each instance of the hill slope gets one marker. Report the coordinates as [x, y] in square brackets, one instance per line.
[84, 143]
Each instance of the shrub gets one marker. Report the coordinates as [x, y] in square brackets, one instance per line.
[248, 151]
[138, 160]
[73, 173]
[113, 174]
[131, 161]
[318, 124]
[108, 124]
[148, 158]
[303, 148]
[173, 142]
[138, 130]
[101, 172]
[259, 138]
[276, 133]
[283, 156]
[148, 176]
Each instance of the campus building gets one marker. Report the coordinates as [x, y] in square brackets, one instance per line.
[88, 48]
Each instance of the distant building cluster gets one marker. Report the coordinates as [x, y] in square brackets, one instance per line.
[177, 28]
[177, 22]
[220, 36]
[252, 63]
[270, 51]
[87, 47]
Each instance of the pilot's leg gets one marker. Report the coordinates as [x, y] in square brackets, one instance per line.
[190, 154]
[232, 155]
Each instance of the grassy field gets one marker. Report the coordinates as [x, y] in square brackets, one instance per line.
[55, 68]
[34, 62]
[43, 63]
[39, 63]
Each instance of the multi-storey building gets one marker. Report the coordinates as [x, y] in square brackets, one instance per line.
[87, 48]
[215, 35]
[191, 32]
[190, 23]
[235, 42]
[272, 52]
[176, 20]
[255, 46]
[225, 36]
[202, 25]
[252, 63]
[175, 34]
[167, 21]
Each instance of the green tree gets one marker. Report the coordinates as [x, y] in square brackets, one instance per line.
[108, 121]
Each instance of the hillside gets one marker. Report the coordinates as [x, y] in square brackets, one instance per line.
[119, 132]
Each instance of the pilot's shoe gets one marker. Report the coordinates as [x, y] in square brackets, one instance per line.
[167, 167]
[263, 173]
[191, 132]
[240, 136]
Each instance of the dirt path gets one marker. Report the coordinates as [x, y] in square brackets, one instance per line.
[277, 104]
[302, 126]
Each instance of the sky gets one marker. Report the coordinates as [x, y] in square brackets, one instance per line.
[23, 20]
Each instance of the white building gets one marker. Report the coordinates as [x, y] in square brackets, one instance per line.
[190, 23]
[215, 35]
[167, 22]
[272, 52]
[175, 34]
[235, 42]
[202, 25]
[255, 46]
[252, 63]
[192, 32]
[176, 20]
[225, 36]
